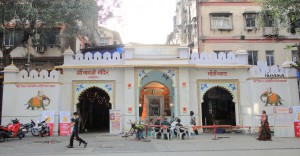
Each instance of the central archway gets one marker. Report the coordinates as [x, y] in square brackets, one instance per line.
[156, 91]
[154, 101]
[218, 107]
[94, 108]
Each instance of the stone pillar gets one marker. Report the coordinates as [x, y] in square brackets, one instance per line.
[241, 57]
[9, 92]
[68, 56]
[10, 73]
[128, 52]
[175, 103]
[137, 105]
[292, 84]
[183, 51]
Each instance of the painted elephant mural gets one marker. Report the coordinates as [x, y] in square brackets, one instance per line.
[268, 97]
[39, 101]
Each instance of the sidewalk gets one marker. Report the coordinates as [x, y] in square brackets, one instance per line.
[107, 144]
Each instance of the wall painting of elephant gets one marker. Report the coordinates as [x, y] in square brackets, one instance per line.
[271, 98]
[39, 101]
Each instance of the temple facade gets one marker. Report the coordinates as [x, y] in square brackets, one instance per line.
[147, 81]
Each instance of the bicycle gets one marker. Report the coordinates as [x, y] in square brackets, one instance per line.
[132, 130]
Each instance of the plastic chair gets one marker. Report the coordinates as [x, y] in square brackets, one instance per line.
[154, 133]
[165, 132]
[180, 134]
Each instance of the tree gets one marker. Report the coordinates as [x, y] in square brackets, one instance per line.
[281, 9]
[22, 20]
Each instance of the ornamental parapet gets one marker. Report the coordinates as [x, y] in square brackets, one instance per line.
[220, 58]
[275, 71]
[89, 58]
[42, 76]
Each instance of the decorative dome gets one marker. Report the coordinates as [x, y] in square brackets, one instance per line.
[69, 51]
[11, 68]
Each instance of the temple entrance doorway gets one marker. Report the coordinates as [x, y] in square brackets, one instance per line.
[154, 102]
[93, 108]
[218, 107]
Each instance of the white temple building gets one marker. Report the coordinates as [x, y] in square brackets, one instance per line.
[147, 81]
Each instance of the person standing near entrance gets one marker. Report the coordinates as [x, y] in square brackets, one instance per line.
[193, 122]
[75, 131]
[264, 130]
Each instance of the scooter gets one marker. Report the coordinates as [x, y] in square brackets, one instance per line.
[29, 127]
[12, 130]
[43, 128]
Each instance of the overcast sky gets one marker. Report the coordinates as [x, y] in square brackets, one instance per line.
[145, 21]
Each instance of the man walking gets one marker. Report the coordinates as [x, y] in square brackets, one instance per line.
[75, 132]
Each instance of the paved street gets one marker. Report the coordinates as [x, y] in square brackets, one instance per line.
[114, 145]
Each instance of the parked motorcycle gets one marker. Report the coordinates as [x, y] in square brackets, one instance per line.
[43, 128]
[12, 130]
[29, 127]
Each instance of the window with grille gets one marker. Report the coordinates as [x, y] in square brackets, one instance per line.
[13, 36]
[270, 57]
[294, 56]
[269, 20]
[252, 57]
[8, 39]
[250, 20]
[221, 21]
[104, 40]
[52, 37]
[294, 23]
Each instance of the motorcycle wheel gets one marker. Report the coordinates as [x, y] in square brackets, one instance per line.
[2, 138]
[35, 132]
[21, 134]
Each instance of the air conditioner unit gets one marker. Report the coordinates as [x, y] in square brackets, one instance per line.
[40, 49]
[270, 31]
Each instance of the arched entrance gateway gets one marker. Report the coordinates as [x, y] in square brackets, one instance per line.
[218, 107]
[219, 102]
[157, 94]
[93, 100]
[93, 106]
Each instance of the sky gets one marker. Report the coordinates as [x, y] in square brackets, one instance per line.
[145, 21]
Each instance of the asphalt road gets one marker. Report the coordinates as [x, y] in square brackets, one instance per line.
[115, 145]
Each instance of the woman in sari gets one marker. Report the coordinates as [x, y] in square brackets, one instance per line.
[264, 130]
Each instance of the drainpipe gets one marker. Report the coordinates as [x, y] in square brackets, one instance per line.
[199, 24]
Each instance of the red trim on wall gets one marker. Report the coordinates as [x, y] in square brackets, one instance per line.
[257, 40]
[228, 4]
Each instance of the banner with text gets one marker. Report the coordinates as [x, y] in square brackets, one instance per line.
[296, 112]
[283, 126]
[64, 123]
[115, 121]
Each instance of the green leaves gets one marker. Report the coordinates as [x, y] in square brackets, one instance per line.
[57, 11]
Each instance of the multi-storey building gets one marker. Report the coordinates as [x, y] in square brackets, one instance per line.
[185, 24]
[229, 25]
[43, 50]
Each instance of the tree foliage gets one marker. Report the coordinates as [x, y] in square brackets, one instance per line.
[281, 8]
[287, 11]
[70, 16]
